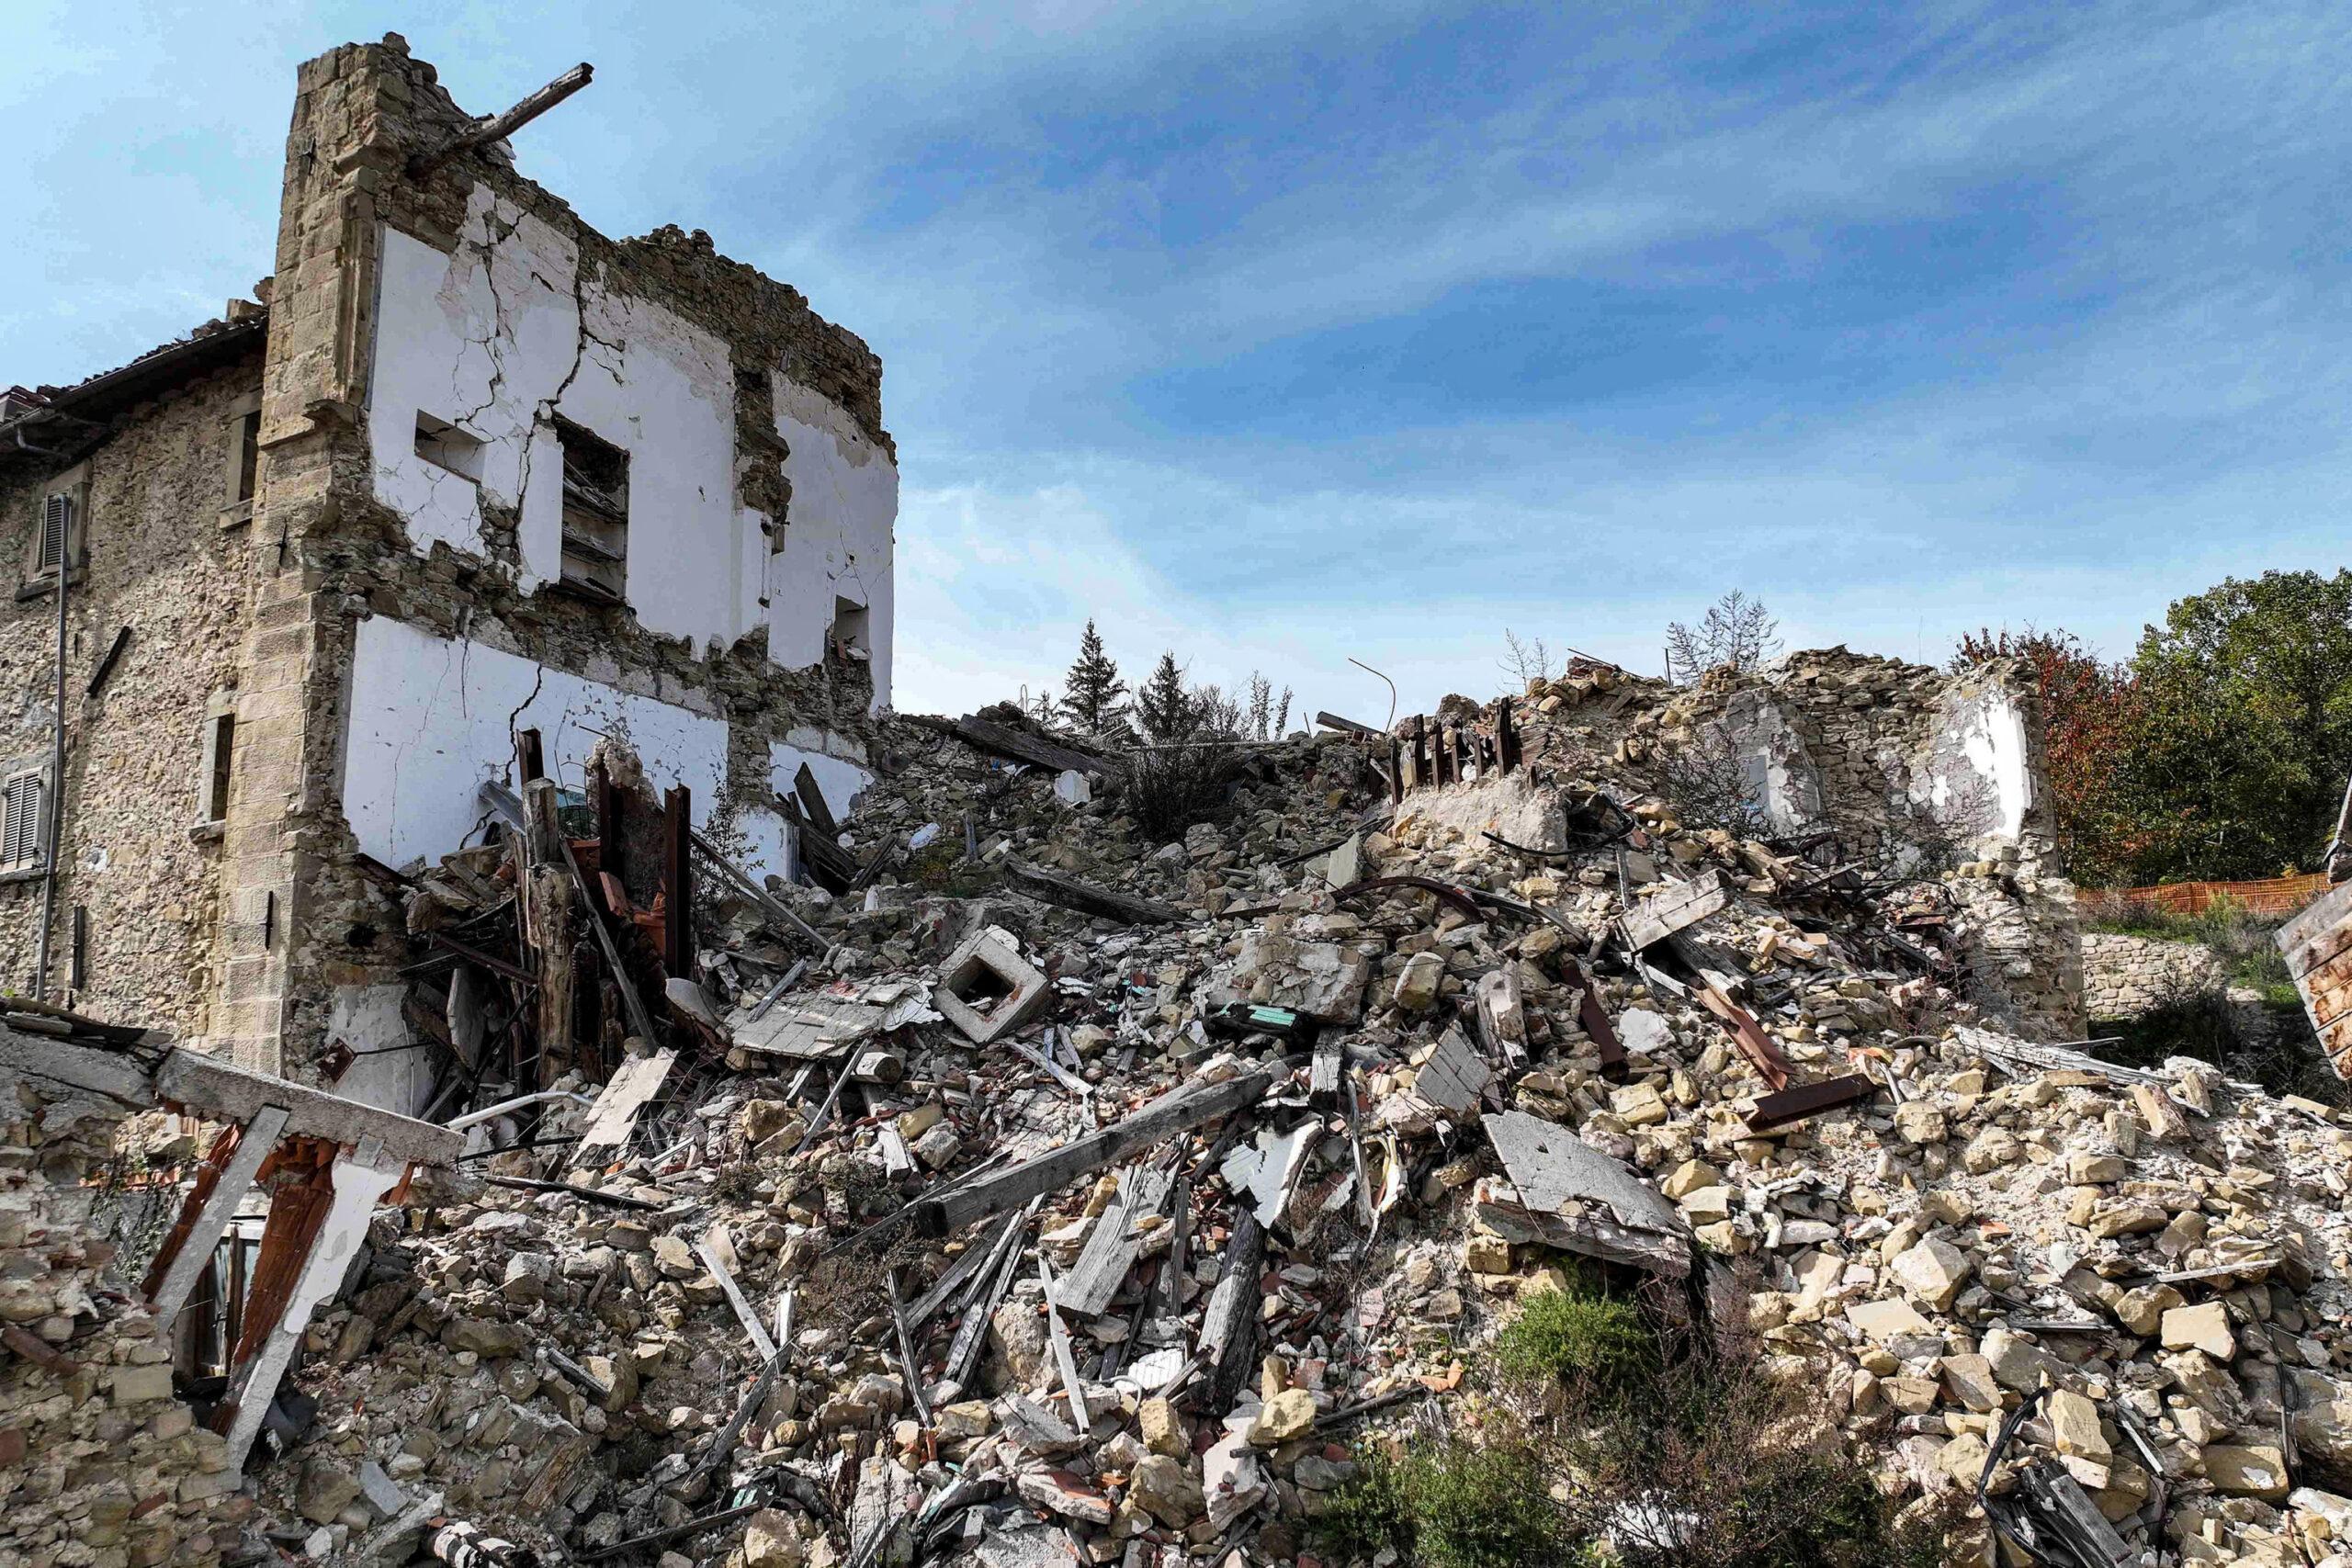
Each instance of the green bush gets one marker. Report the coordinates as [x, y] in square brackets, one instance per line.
[1577, 1332]
[1456, 1506]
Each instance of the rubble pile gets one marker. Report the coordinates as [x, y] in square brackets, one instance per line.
[1030, 1191]
[99, 1461]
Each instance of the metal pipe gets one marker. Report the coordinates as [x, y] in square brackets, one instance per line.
[56, 768]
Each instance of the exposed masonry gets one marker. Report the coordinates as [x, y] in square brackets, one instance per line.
[367, 632]
[162, 553]
[1916, 758]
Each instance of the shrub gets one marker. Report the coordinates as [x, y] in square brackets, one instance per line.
[1577, 1332]
[1456, 1506]
[1169, 789]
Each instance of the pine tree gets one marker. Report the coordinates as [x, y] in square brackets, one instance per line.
[1163, 708]
[1262, 705]
[1091, 691]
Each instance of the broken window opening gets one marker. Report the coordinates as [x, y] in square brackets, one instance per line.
[596, 515]
[248, 455]
[851, 620]
[447, 448]
[220, 751]
[22, 828]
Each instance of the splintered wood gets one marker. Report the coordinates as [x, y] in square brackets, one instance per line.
[1682, 904]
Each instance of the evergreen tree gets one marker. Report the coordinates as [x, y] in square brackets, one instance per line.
[1091, 691]
[1163, 708]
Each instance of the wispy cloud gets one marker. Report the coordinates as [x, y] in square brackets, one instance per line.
[1280, 331]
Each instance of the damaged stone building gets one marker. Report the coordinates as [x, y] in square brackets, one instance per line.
[462, 467]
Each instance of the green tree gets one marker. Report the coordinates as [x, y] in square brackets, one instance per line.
[1164, 708]
[1091, 691]
[2240, 750]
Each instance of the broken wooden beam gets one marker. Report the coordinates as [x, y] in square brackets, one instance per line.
[677, 884]
[1002, 740]
[498, 126]
[1179, 1110]
[1681, 904]
[1088, 898]
[211, 1204]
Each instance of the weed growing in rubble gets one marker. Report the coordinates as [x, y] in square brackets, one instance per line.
[1170, 789]
[1577, 1332]
[1454, 1505]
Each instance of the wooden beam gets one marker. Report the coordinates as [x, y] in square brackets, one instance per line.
[498, 126]
[677, 884]
[1002, 740]
[1086, 899]
[1179, 1110]
[211, 1204]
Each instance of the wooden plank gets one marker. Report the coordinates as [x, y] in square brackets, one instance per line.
[1063, 1358]
[1001, 741]
[1345, 726]
[1111, 1248]
[711, 1260]
[1661, 914]
[628, 1093]
[812, 801]
[549, 923]
[1179, 1110]
[1323, 1072]
[1088, 898]
[631, 1003]
[189, 1254]
[1004, 1263]
[1230, 1322]
[677, 884]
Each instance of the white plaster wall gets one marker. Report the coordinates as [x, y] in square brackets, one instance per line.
[431, 718]
[842, 781]
[503, 334]
[389, 1072]
[1988, 731]
[839, 538]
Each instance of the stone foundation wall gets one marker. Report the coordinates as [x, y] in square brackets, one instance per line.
[168, 557]
[2125, 976]
[100, 1465]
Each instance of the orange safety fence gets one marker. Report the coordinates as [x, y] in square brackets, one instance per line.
[2271, 896]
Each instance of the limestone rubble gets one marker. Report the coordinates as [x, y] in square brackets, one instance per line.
[2156, 1259]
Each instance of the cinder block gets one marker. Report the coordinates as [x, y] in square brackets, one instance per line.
[987, 990]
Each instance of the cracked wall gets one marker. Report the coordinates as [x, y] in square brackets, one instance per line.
[416, 606]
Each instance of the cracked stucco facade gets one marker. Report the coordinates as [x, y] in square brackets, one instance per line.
[380, 622]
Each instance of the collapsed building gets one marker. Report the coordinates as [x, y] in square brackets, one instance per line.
[463, 467]
[672, 1165]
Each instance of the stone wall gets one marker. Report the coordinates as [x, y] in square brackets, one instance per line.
[166, 555]
[2126, 977]
[100, 1465]
[1912, 769]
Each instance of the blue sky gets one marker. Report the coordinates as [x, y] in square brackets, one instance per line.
[1282, 332]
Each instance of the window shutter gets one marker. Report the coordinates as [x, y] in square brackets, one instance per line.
[20, 833]
[56, 524]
